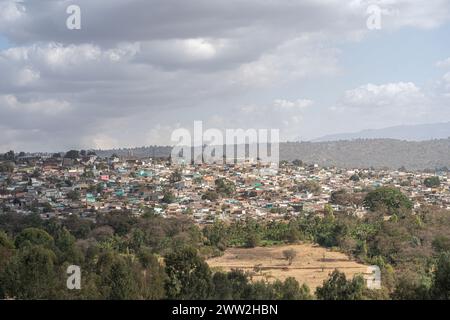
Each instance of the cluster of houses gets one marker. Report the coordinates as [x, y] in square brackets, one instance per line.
[53, 186]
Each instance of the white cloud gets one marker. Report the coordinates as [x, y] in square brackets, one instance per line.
[10, 104]
[291, 105]
[443, 63]
[10, 11]
[298, 58]
[385, 104]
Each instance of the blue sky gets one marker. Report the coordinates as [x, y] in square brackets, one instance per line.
[4, 44]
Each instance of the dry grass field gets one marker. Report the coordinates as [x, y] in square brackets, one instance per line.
[312, 263]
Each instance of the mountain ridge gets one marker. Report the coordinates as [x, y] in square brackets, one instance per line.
[357, 153]
[418, 132]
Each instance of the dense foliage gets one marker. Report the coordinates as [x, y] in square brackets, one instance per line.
[126, 257]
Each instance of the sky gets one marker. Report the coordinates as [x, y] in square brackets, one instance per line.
[139, 69]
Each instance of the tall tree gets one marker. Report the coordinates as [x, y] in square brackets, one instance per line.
[337, 287]
[31, 274]
[188, 274]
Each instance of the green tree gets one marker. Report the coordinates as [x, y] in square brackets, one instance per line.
[119, 280]
[31, 274]
[34, 236]
[154, 276]
[188, 274]
[337, 287]
[169, 197]
[290, 289]
[391, 199]
[65, 247]
[253, 239]
[409, 286]
[7, 251]
[310, 187]
[223, 289]
[74, 195]
[432, 182]
[441, 284]
[224, 187]
[441, 244]
[72, 154]
[210, 195]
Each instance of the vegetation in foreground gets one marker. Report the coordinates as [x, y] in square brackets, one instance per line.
[149, 257]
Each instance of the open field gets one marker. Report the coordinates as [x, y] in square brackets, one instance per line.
[312, 264]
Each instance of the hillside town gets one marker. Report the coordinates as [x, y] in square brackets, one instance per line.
[83, 184]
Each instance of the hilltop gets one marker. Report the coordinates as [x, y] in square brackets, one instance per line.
[359, 153]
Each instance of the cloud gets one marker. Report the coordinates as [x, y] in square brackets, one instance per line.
[138, 67]
[47, 107]
[299, 104]
[385, 104]
[443, 63]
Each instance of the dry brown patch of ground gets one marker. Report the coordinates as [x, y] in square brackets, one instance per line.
[312, 264]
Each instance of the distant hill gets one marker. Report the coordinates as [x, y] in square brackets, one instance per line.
[140, 152]
[360, 153]
[365, 153]
[419, 132]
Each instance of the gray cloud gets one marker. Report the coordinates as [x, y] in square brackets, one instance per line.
[138, 69]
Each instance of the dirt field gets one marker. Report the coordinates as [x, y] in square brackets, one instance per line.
[311, 265]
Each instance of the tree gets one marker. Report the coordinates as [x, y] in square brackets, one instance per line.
[341, 197]
[441, 283]
[309, 187]
[10, 155]
[391, 199]
[65, 247]
[217, 234]
[74, 195]
[441, 244]
[290, 289]
[210, 195]
[34, 236]
[189, 276]
[239, 284]
[337, 287]
[224, 187]
[176, 176]
[223, 289]
[6, 167]
[432, 182]
[293, 234]
[168, 197]
[154, 276]
[31, 274]
[119, 280]
[6, 253]
[289, 255]
[253, 239]
[72, 154]
[409, 286]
